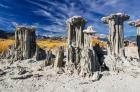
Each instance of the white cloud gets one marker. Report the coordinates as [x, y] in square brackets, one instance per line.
[14, 23]
[58, 12]
[4, 6]
[43, 13]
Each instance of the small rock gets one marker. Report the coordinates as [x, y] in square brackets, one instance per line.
[25, 76]
[2, 72]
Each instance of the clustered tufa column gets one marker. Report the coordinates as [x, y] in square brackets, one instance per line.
[137, 25]
[116, 33]
[25, 42]
[82, 59]
[88, 36]
[25, 46]
[75, 41]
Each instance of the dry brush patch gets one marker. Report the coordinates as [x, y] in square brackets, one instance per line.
[5, 43]
[51, 44]
[101, 43]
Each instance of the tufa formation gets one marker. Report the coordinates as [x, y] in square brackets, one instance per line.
[137, 25]
[81, 58]
[25, 46]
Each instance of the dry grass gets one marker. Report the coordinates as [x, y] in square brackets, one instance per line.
[51, 44]
[5, 43]
[101, 43]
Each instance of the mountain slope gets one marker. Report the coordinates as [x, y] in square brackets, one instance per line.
[5, 35]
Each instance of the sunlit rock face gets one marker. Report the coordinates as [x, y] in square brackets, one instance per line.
[75, 26]
[116, 33]
[88, 33]
[25, 46]
[116, 59]
[136, 24]
[81, 58]
[25, 42]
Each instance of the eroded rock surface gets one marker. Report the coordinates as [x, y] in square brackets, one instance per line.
[81, 58]
[25, 46]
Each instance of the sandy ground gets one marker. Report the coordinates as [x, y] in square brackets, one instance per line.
[131, 52]
[45, 79]
[109, 82]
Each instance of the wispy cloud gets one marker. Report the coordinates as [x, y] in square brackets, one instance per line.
[43, 13]
[50, 15]
[4, 6]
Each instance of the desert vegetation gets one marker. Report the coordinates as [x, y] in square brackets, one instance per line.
[5, 43]
[51, 44]
[97, 41]
[45, 43]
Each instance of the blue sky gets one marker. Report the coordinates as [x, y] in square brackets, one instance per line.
[49, 16]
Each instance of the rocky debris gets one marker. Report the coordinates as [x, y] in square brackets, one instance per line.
[137, 25]
[88, 63]
[49, 58]
[70, 64]
[25, 76]
[59, 58]
[2, 73]
[22, 71]
[19, 72]
[37, 75]
[120, 64]
[59, 62]
[40, 54]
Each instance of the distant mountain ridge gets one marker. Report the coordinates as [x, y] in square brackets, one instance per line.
[5, 34]
[131, 38]
[103, 37]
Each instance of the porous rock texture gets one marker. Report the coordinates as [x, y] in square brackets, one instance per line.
[136, 24]
[89, 64]
[49, 58]
[27, 76]
[81, 58]
[116, 59]
[25, 46]
[75, 41]
[116, 33]
[59, 62]
[88, 36]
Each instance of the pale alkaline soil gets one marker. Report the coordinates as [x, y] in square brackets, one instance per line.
[44, 79]
[131, 52]
[56, 83]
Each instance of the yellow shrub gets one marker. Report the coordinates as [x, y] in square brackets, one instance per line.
[51, 44]
[97, 41]
[5, 43]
